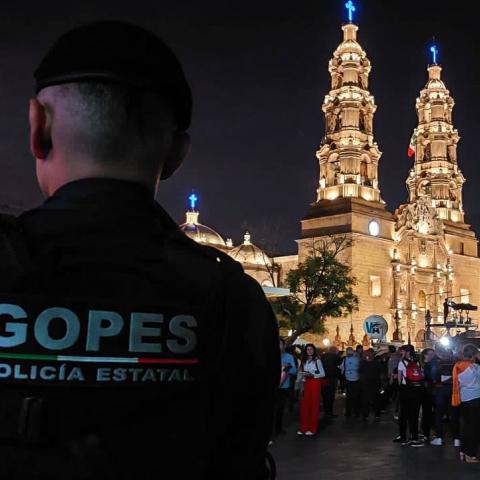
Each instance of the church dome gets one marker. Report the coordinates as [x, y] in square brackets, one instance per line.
[350, 45]
[249, 253]
[349, 48]
[201, 233]
[436, 83]
[434, 76]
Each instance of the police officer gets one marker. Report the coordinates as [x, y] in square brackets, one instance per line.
[125, 347]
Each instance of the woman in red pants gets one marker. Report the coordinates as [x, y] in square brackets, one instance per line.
[313, 372]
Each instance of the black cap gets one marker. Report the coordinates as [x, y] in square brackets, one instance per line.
[119, 52]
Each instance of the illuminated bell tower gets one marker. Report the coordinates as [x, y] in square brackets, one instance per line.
[436, 253]
[435, 174]
[348, 203]
[348, 155]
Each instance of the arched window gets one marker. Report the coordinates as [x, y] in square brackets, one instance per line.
[361, 122]
[424, 188]
[428, 153]
[422, 300]
[338, 124]
[363, 170]
[420, 336]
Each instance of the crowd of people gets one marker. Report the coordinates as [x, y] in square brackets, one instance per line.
[426, 391]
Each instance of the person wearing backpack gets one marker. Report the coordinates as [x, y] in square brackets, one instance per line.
[412, 388]
[313, 372]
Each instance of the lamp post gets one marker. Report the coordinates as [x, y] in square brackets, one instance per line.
[428, 329]
[397, 336]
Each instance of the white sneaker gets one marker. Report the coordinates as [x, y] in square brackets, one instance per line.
[300, 433]
[309, 433]
[457, 443]
[437, 441]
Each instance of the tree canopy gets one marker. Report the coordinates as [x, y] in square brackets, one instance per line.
[320, 287]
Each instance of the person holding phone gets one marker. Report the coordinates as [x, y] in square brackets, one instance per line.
[312, 370]
[288, 370]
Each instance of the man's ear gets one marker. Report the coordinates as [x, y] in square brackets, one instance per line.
[40, 131]
[178, 151]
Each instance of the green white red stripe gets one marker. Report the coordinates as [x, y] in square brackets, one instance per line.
[413, 143]
[86, 359]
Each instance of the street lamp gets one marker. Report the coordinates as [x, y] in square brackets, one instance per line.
[428, 329]
[445, 340]
[397, 337]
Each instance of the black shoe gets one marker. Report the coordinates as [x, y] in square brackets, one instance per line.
[400, 439]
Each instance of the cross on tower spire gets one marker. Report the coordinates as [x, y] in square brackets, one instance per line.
[434, 51]
[351, 8]
[193, 201]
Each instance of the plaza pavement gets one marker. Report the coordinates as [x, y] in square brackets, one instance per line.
[360, 450]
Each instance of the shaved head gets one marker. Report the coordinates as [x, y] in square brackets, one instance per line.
[108, 123]
[91, 129]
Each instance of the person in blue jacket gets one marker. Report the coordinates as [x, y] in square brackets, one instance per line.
[288, 372]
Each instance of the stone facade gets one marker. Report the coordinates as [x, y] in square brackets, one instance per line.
[406, 262]
[409, 261]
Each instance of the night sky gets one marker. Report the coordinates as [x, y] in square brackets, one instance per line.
[258, 71]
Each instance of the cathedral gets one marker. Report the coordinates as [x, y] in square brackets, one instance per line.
[406, 262]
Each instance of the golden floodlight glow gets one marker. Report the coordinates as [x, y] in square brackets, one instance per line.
[423, 227]
[366, 195]
[332, 194]
[423, 260]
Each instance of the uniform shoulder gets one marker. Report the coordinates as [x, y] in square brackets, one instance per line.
[210, 254]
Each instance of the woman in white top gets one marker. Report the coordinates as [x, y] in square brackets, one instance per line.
[312, 371]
